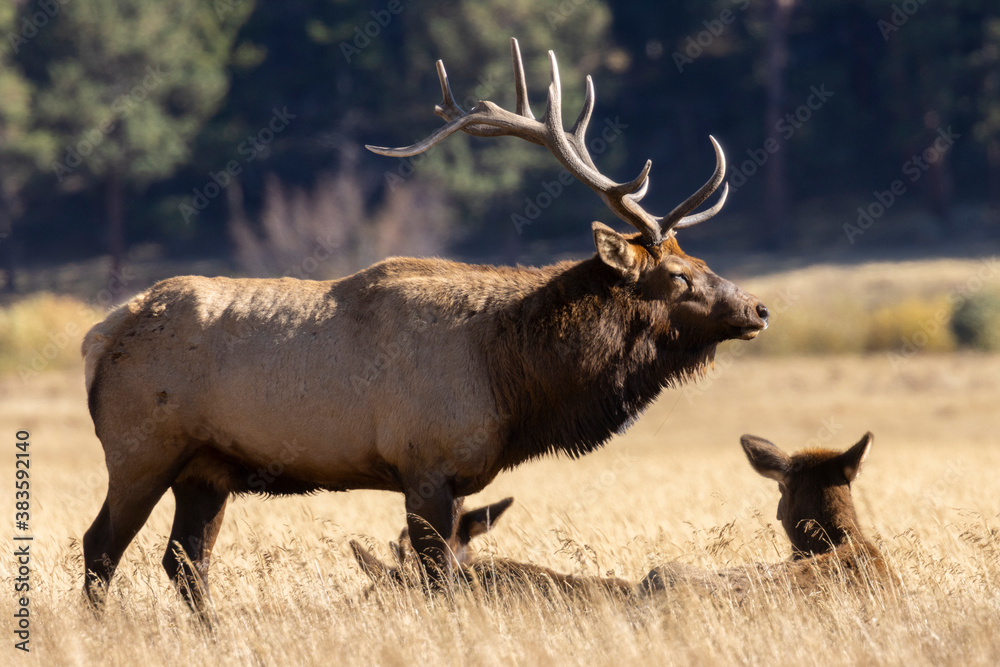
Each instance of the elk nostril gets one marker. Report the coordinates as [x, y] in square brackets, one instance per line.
[762, 311]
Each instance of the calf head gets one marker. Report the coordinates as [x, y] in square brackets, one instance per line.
[816, 508]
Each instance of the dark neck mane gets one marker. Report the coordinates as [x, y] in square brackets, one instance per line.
[579, 359]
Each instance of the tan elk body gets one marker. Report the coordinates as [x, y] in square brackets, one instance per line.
[817, 512]
[422, 376]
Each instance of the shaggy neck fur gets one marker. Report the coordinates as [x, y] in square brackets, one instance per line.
[580, 358]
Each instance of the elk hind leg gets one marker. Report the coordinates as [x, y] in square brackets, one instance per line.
[198, 516]
[125, 510]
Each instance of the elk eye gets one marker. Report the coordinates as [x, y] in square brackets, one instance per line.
[682, 280]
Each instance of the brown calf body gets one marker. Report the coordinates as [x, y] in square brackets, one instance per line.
[492, 577]
[817, 512]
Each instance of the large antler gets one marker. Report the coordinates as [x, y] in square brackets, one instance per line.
[487, 119]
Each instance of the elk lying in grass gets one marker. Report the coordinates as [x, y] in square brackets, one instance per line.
[817, 512]
[420, 376]
[490, 576]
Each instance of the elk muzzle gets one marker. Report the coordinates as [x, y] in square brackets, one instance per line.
[741, 312]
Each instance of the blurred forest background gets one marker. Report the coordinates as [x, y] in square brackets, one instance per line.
[234, 130]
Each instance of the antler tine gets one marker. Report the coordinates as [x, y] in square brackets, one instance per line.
[677, 216]
[448, 109]
[553, 107]
[523, 107]
[691, 220]
[579, 129]
[436, 136]
[636, 188]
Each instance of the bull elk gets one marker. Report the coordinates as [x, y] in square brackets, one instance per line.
[490, 576]
[421, 376]
[816, 510]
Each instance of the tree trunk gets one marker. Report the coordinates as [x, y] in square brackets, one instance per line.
[993, 177]
[115, 198]
[775, 176]
[8, 254]
[937, 182]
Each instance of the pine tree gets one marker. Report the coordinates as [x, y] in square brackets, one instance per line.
[23, 146]
[129, 83]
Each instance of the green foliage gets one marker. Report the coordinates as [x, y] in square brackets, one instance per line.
[976, 321]
[130, 83]
[23, 146]
[167, 91]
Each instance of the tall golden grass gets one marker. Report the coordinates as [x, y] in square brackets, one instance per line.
[43, 332]
[676, 486]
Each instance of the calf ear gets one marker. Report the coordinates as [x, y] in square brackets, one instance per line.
[476, 522]
[398, 549]
[615, 250]
[370, 565]
[766, 458]
[854, 457]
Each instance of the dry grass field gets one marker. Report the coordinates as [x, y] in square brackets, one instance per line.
[676, 486]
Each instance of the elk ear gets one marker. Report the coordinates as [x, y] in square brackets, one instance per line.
[370, 565]
[854, 457]
[476, 522]
[766, 458]
[615, 250]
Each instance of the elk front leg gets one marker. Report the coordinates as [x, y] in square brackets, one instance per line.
[431, 516]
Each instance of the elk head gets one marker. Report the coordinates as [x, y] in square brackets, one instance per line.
[816, 508]
[650, 260]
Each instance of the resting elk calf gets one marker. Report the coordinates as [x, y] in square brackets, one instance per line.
[421, 376]
[816, 510]
[492, 576]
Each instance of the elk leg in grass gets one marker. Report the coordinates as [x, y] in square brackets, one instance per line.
[431, 516]
[124, 512]
[197, 520]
